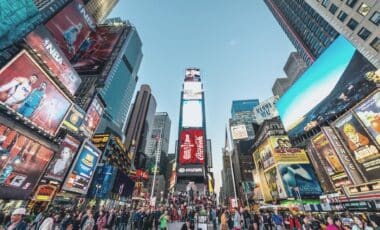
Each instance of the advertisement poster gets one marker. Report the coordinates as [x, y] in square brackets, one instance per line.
[193, 74]
[274, 183]
[26, 89]
[192, 90]
[338, 76]
[45, 192]
[283, 152]
[192, 147]
[74, 119]
[369, 113]
[70, 27]
[300, 177]
[266, 110]
[98, 50]
[266, 156]
[362, 148]
[93, 116]
[62, 160]
[22, 163]
[239, 132]
[41, 41]
[80, 175]
[192, 115]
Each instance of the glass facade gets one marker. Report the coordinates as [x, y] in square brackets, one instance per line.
[242, 114]
[243, 105]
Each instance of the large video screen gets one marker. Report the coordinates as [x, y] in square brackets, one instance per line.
[41, 41]
[192, 115]
[192, 90]
[26, 89]
[335, 82]
[70, 27]
[123, 185]
[80, 175]
[99, 48]
[22, 163]
[193, 74]
[191, 147]
[93, 116]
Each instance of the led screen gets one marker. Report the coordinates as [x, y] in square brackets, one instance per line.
[192, 113]
[26, 89]
[74, 119]
[336, 81]
[192, 147]
[193, 74]
[265, 110]
[192, 90]
[93, 117]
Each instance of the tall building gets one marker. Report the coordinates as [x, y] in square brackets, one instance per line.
[100, 9]
[241, 113]
[306, 29]
[357, 20]
[280, 86]
[243, 106]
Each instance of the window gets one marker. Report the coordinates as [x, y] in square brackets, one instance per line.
[325, 3]
[364, 33]
[333, 8]
[376, 44]
[364, 9]
[351, 3]
[375, 18]
[352, 24]
[342, 16]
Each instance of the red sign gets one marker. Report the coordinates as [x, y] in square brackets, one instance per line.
[192, 147]
[93, 117]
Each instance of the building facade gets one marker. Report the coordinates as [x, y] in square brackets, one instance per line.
[100, 9]
[241, 114]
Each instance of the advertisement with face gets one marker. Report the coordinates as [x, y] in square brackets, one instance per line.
[74, 119]
[299, 176]
[338, 76]
[26, 89]
[274, 184]
[192, 147]
[70, 31]
[62, 160]
[193, 74]
[266, 155]
[192, 115]
[369, 113]
[80, 175]
[41, 41]
[22, 163]
[192, 90]
[283, 152]
[266, 110]
[93, 116]
[362, 148]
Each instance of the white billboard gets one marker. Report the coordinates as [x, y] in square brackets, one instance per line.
[239, 132]
[266, 110]
[192, 113]
[192, 90]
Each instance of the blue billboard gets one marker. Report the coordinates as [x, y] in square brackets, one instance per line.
[334, 83]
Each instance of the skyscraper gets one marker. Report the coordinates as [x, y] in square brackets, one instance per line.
[100, 9]
[242, 114]
[306, 29]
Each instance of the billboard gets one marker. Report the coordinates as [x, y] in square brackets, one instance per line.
[283, 152]
[74, 119]
[80, 175]
[26, 89]
[299, 178]
[239, 132]
[369, 114]
[22, 164]
[93, 117]
[192, 115]
[190, 170]
[191, 147]
[193, 74]
[266, 110]
[98, 49]
[62, 160]
[41, 41]
[265, 157]
[335, 82]
[70, 27]
[45, 192]
[361, 147]
[192, 90]
[274, 184]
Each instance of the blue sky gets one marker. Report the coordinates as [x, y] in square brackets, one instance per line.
[238, 46]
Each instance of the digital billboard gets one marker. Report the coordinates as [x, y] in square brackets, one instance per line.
[192, 115]
[191, 147]
[299, 177]
[80, 175]
[369, 113]
[41, 41]
[283, 152]
[239, 132]
[45, 192]
[335, 82]
[266, 110]
[26, 89]
[22, 163]
[74, 119]
[98, 49]
[62, 160]
[193, 74]
[360, 145]
[265, 156]
[192, 90]
[93, 116]
[71, 26]
[190, 170]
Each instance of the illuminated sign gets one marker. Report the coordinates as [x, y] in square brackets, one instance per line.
[93, 116]
[45, 193]
[192, 90]
[192, 115]
[74, 119]
[192, 147]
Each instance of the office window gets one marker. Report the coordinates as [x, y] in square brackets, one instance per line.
[375, 18]
[376, 44]
[351, 3]
[364, 33]
[333, 8]
[352, 24]
[364, 9]
[342, 16]
[325, 3]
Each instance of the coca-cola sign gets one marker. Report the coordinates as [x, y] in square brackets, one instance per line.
[192, 147]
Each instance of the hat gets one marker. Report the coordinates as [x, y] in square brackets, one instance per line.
[19, 211]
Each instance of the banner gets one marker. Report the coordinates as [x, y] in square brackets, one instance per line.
[74, 119]
[190, 170]
[239, 132]
[283, 152]
[266, 110]
[93, 117]
[45, 192]
[26, 89]
[192, 147]
[22, 163]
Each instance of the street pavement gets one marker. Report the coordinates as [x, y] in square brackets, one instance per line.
[178, 225]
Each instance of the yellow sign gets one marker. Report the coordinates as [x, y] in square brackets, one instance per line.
[283, 152]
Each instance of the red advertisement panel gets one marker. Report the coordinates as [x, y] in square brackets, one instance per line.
[41, 41]
[22, 163]
[192, 147]
[93, 117]
[26, 89]
[70, 27]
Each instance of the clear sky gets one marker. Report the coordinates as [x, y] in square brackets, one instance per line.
[237, 44]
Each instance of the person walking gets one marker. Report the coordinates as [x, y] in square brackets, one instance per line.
[277, 220]
[223, 220]
[360, 224]
[17, 220]
[102, 220]
[164, 219]
[89, 223]
[237, 220]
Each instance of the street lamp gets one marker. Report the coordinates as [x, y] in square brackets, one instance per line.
[97, 186]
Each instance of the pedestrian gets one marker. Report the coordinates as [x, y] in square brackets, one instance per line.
[49, 222]
[223, 220]
[164, 219]
[277, 220]
[338, 223]
[111, 219]
[330, 224]
[148, 220]
[294, 223]
[237, 220]
[375, 221]
[89, 222]
[360, 224]
[17, 220]
[186, 225]
[213, 218]
[102, 220]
